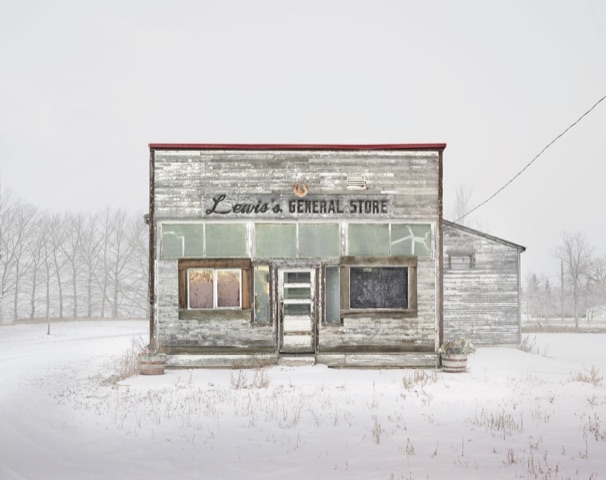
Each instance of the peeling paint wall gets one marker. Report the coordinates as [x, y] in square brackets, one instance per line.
[481, 302]
[185, 180]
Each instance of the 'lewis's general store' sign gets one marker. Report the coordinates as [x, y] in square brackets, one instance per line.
[282, 206]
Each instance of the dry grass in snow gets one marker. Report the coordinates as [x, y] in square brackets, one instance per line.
[65, 414]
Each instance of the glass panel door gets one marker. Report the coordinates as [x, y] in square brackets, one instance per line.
[296, 290]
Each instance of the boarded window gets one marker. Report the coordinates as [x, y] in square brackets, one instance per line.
[461, 261]
[378, 287]
[370, 285]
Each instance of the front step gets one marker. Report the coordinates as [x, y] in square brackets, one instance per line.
[380, 360]
[297, 360]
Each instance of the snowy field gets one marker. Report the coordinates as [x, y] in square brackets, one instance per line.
[513, 415]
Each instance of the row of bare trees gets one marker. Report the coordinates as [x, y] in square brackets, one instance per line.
[580, 285]
[71, 265]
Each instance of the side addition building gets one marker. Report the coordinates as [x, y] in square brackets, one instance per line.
[481, 287]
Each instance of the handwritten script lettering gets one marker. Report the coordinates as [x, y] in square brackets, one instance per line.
[283, 206]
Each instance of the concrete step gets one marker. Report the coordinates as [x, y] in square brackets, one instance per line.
[297, 360]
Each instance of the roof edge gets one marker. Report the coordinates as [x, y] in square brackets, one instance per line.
[296, 146]
[472, 231]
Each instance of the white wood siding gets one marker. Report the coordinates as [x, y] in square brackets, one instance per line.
[482, 303]
[410, 177]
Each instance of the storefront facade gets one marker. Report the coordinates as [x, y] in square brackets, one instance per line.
[267, 252]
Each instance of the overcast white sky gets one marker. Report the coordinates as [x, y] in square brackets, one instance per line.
[86, 86]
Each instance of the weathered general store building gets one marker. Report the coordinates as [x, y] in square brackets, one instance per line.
[329, 252]
[481, 287]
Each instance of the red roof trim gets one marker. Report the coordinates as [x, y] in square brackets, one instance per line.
[258, 146]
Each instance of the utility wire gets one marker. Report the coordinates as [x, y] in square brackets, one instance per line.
[532, 161]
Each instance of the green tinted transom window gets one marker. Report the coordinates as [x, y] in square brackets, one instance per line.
[199, 240]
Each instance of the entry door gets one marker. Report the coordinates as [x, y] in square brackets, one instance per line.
[296, 291]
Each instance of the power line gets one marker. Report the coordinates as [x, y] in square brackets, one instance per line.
[532, 161]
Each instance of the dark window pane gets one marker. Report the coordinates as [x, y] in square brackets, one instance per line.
[378, 287]
[297, 277]
[297, 293]
[297, 309]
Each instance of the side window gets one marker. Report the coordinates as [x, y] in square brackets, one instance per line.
[461, 261]
[214, 284]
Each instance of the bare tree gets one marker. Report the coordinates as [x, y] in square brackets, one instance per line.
[89, 254]
[22, 231]
[70, 249]
[133, 281]
[104, 231]
[597, 281]
[575, 254]
[58, 234]
[597, 270]
[463, 204]
[531, 294]
[8, 254]
[35, 252]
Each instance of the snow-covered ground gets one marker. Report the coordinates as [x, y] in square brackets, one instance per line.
[513, 415]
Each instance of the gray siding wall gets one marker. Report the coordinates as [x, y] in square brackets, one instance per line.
[482, 303]
[410, 178]
[417, 333]
[181, 177]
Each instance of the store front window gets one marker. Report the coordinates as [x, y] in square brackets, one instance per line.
[378, 284]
